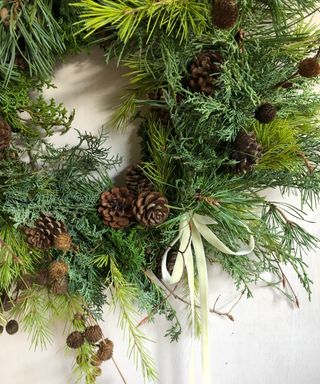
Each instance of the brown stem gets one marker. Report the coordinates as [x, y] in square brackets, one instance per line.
[227, 314]
[285, 281]
[280, 84]
[308, 164]
[118, 369]
[281, 213]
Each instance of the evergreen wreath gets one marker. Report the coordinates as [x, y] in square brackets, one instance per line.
[224, 94]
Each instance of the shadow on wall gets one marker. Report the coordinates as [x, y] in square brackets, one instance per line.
[94, 89]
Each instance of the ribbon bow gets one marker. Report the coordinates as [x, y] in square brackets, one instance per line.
[191, 230]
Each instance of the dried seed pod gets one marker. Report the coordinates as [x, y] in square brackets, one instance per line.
[93, 334]
[309, 67]
[265, 113]
[12, 327]
[105, 351]
[75, 340]
[224, 13]
[63, 242]
[58, 270]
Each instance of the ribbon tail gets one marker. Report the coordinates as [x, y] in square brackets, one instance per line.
[204, 302]
[217, 243]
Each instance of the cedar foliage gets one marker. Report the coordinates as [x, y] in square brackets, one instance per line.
[187, 145]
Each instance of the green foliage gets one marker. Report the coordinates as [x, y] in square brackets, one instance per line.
[125, 295]
[16, 258]
[36, 309]
[173, 16]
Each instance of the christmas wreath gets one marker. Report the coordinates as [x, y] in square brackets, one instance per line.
[224, 95]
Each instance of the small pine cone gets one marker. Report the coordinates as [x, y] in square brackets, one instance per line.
[247, 151]
[136, 181]
[93, 334]
[75, 340]
[63, 242]
[58, 270]
[309, 67]
[204, 72]
[12, 327]
[116, 207]
[224, 13]
[6, 302]
[60, 287]
[150, 208]
[1, 329]
[5, 134]
[171, 259]
[105, 351]
[265, 113]
[44, 232]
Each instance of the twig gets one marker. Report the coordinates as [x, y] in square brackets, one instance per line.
[285, 281]
[310, 167]
[118, 369]
[281, 83]
[227, 314]
[281, 213]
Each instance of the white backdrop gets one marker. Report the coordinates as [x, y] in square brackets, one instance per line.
[270, 340]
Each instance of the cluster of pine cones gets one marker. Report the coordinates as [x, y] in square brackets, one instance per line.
[136, 202]
[91, 334]
[49, 233]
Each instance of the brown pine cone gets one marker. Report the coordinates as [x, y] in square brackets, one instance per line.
[150, 208]
[204, 72]
[136, 181]
[75, 340]
[105, 351]
[63, 242]
[116, 207]
[93, 334]
[60, 287]
[309, 67]
[44, 232]
[58, 270]
[12, 327]
[265, 113]
[225, 13]
[5, 134]
[247, 151]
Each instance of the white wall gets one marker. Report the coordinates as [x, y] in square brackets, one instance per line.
[270, 340]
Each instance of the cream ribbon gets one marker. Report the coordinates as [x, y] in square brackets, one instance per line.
[191, 230]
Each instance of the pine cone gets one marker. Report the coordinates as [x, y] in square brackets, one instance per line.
[171, 259]
[5, 134]
[150, 208]
[12, 327]
[75, 340]
[6, 302]
[116, 207]
[309, 67]
[247, 151]
[60, 287]
[204, 72]
[136, 181]
[58, 270]
[225, 13]
[41, 278]
[63, 242]
[45, 231]
[93, 334]
[96, 362]
[105, 350]
[1, 329]
[265, 113]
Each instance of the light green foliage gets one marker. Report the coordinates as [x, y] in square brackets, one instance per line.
[37, 309]
[125, 295]
[16, 258]
[175, 17]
